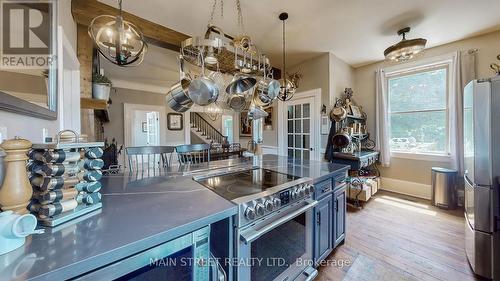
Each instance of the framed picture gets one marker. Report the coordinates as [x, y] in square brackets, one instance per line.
[245, 125]
[356, 111]
[175, 122]
[144, 127]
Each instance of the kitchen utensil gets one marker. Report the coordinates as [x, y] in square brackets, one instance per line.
[14, 229]
[338, 113]
[240, 84]
[179, 91]
[256, 112]
[174, 105]
[237, 102]
[212, 52]
[495, 68]
[203, 90]
[16, 191]
[341, 139]
[267, 90]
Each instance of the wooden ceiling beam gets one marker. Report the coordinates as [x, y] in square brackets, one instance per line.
[85, 10]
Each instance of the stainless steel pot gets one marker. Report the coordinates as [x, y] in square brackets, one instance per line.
[179, 91]
[237, 102]
[203, 90]
[172, 103]
[240, 84]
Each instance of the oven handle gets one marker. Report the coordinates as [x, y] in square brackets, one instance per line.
[251, 235]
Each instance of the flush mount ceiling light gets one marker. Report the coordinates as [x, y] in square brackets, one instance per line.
[119, 41]
[405, 49]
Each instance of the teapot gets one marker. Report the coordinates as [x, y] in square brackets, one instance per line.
[14, 229]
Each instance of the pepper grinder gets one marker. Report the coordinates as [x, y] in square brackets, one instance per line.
[16, 190]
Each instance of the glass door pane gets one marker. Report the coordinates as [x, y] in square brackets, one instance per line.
[299, 130]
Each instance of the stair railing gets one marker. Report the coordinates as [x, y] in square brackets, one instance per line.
[205, 128]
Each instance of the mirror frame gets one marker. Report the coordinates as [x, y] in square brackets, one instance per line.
[16, 105]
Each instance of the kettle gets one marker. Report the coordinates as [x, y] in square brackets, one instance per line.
[14, 229]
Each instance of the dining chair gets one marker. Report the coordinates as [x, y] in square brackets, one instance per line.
[149, 157]
[193, 153]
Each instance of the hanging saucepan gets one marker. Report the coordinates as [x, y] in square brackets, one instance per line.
[237, 102]
[341, 139]
[261, 99]
[179, 91]
[203, 90]
[268, 89]
[338, 113]
[240, 84]
[256, 112]
[175, 105]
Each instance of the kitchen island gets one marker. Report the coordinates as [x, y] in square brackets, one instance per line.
[139, 211]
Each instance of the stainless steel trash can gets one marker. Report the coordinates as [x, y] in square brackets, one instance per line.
[444, 187]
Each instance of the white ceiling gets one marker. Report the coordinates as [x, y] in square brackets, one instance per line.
[356, 31]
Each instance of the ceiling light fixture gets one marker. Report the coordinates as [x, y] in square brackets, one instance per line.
[405, 50]
[287, 88]
[119, 41]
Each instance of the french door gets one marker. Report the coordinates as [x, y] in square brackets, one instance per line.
[300, 129]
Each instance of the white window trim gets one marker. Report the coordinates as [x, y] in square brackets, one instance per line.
[420, 65]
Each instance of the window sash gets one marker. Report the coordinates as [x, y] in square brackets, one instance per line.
[418, 70]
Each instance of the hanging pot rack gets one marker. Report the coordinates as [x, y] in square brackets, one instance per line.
[227, 49]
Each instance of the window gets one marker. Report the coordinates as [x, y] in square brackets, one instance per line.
[418, 111]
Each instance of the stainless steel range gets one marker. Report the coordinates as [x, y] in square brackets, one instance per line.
[274, 228]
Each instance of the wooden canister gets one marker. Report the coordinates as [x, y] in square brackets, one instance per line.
[16, 191]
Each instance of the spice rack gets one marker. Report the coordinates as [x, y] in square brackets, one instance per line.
[65, 179]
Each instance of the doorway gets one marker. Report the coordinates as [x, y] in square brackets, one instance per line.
[144, 125]
[227, 127]
[298, 135]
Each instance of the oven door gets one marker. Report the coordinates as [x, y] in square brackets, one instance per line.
[279, 247]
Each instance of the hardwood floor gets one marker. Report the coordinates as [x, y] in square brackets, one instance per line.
[397, 237]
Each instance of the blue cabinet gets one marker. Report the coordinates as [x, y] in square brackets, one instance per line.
[329, 215]
[323, 233]
[339, 215]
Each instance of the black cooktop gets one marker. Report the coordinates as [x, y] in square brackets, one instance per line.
[243, 183]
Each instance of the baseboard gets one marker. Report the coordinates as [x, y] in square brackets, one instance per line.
[406, 187]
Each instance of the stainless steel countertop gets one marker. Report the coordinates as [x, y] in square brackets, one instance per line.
[139, 211]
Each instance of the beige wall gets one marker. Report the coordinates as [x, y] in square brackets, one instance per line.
[326, 72]
[119, 96]
[364, 93]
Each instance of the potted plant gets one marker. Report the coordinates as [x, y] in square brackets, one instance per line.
[101, 86]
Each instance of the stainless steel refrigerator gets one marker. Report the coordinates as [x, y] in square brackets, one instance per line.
[482, 176]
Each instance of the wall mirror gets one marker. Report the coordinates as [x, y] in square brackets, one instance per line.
[28, 70]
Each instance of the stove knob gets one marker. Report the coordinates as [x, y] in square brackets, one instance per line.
[269, 205]
[250, 213]
[302, 191]
[277, 203]
[310, 187]
[294, 194]
[306, 190]
[259, 209]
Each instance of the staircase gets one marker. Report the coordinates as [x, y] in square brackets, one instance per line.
[204, 130]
